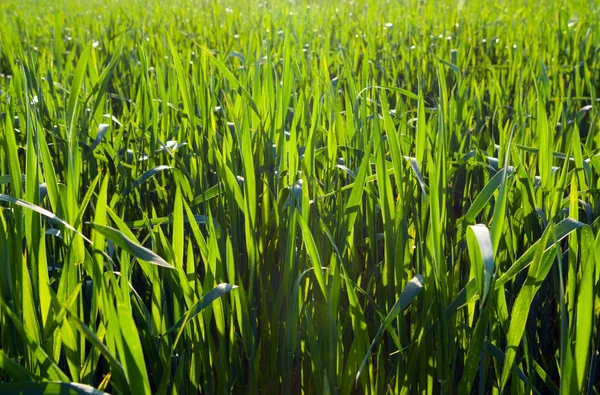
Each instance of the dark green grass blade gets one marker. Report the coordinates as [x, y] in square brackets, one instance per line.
[29, 388]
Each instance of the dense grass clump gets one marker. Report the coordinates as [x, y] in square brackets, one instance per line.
[299, 196]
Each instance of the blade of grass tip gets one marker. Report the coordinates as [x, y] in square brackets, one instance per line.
[146, 176]
[411, 291]
[102, 130]
[484, 196]
[132, 247]
[49, 172]
[200, 305]
[414, 165]
[147, 268]
[208, 194]
[562, 230]
[481, 252]
[42, 211]
[499, 214]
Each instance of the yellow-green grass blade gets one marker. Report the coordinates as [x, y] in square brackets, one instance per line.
[522, 305]
[575, 367]
[49, 369]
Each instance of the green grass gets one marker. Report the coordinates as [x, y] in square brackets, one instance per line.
[304, 196]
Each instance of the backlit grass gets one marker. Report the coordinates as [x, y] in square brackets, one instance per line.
[299, 196]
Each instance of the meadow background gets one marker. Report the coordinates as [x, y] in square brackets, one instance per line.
[324, 197]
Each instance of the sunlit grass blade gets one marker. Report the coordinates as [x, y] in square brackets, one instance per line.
[522, 305]
[131, 246]
[42, 211]
[481, 253]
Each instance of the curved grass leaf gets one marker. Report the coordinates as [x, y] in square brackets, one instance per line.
[117, 371]
[208, 194]
[411, 291]
[102, 129]
[42, 211]
[481, 252]
[132, 247]
[145, 177]
[200, 305]
[484, 196]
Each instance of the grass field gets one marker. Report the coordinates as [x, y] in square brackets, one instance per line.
[323, 197]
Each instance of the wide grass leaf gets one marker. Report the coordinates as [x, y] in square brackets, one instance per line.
[131, 246]
[482, 255]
